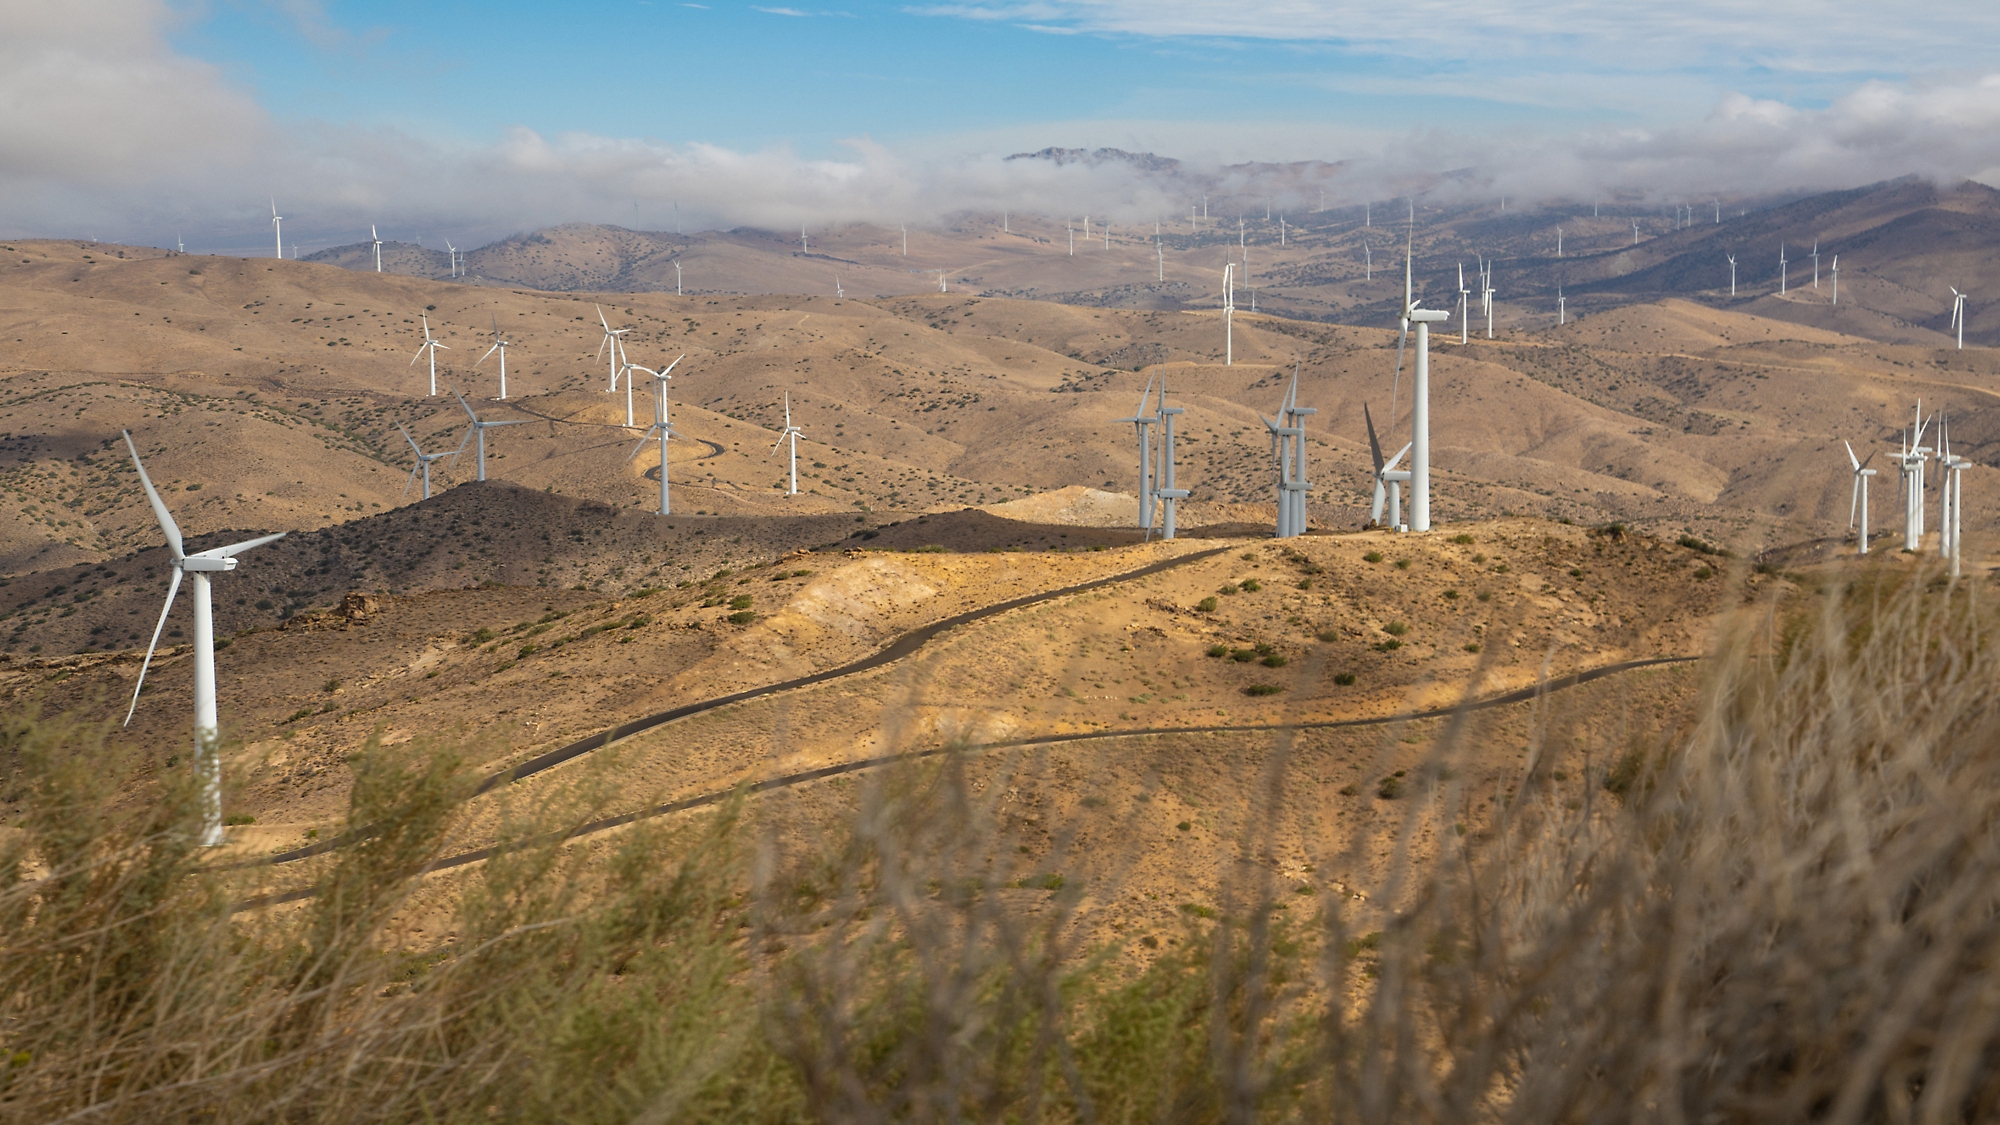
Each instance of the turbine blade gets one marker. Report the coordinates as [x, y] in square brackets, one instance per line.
[467, 405]
[1856, 462]
[413, 441]
[489, 352]
[235, 549]
[167, 524]
[173, 587]
[1398, 458]
[413, 476]
[1865, 460]
[1853, 501]
[1374, 446]
[1381, 501]
[643, 439]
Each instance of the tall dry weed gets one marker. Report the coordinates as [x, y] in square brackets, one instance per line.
[1787, 911]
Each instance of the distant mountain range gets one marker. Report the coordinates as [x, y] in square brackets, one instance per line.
[1902, 244]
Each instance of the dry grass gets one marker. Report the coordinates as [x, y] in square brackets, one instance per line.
[1786, 912]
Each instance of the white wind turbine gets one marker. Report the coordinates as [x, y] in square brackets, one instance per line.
[1167, 492]
[1815, 258]
[1559, 242]
[179, 246]
[1781, 269]
[610, 340]
[1946, 463]
[430, 345]
[377, 240]
[1464, 306]
[1288, 450]
[1562, 308]
[478, 431]
[1228, 315]
[1958, 314]
[423, 462]
[625, 369]
[499, 345]
[1420, 391]
[661, 427]
[790, 433]
[1489, 295]
[1732, 275]
[1635, 232]
[452, 252]
[1953, 485]
[201, 564]
[278, 228]
[1857, 505]
[677, 278]
[837, 291]
[1836, 279]
[1160, 250]
[1367, 261]
[1388, 478]
[1141, 421]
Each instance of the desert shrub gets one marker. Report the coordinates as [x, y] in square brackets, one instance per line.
[1207, 605]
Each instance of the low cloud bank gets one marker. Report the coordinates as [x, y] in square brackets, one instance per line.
[112, 134]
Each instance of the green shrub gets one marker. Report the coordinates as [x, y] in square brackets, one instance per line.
[1207, 605]
[1395, 628]
[1372, 557]
[1218, 650]
[1262, 689]
[1344, 679]
[742, 617]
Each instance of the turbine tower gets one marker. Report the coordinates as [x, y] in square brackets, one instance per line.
[1732, 275]
[278, 228]
[1464, 306]
[1228, 316]
[1958, 314]
[1167, 491]
[661, 426]
[1836, 280]
[478, 430]
[430, 345]
[452, 252]
[1288, 449]
[790, 433]
[377, 240]
[207, 754]
[1781, 269]
[423, 462]
[1141, 420]
[1420, 391]
[1857, 504]
[1815, 258]
[499, 345]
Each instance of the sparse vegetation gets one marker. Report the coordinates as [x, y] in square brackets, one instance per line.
[1787, 903]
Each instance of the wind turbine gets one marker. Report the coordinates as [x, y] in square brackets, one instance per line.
[1228, 315]
[1288, 449]
[1815, 258]
[499, 345]
[201, 564]
[451, 252]
[611, 340]
[179, 246]
[1836, 279]
[837, 291]
[625, 369]
[790, 433]
[1490, 294]
[278, 228]
[1781, 269]
[1140, 420]
[1954, 491]
[1958, 314]
[1857, 505]
[1367, 261]
[1559, 242]
[478, 430]
[1635, 232]
[1946, 508]
[423, 462]
[1160, 249]
[1464, 306]
[677, 278]
[1732, 275]
[377, 240]
[1420, 390]
[803, 248]
[1388, 478]
[1562, 308]
[661, 425]
[431, 345]
[1167, 492]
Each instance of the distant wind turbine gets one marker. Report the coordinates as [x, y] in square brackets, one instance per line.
[837, 291]
[1836, 280]
[377, 240]
[1464, 306]
[610, 340]
[677, 278]
[477, 430]
[789, 433]
[278, 227]
[803, 247]
[1732, 275]
[1562, 308]
[1559, 242]
[1858, 496]
[431, 345]
[179, 246]
[661, 427]
[499, 345]
[1958, 314]
[1815, 258]
[1781, 269]
[423, 464]
[1229, 314]
[1635, 232]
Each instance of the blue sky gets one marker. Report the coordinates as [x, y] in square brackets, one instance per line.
[128, 116]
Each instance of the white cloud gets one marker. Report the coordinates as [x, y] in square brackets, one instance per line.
[107, 132]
